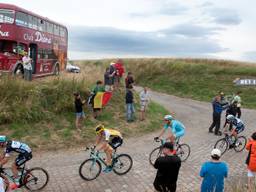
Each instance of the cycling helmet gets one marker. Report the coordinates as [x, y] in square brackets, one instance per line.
[168, 117]
[3, 138]
[230, 117]
[99, 128]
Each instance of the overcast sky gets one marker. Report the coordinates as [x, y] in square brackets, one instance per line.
[223, 29]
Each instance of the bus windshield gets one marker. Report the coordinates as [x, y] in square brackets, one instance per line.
[6, 16]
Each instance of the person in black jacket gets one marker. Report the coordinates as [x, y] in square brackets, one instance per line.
[79, 110]
[168, 167]
[232, 110]
[129, 104]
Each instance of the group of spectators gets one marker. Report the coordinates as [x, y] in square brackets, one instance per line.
[112, 78]
[220, 104]
[212, 172]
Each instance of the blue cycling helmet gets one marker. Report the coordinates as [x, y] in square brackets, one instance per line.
[168, 117]
[3, 138]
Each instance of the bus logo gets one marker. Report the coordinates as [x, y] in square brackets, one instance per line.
[4, 33]
[38, 37]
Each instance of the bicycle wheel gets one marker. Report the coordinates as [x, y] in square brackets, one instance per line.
[122, 164]
[183, 151]
[240, 143]
[154, 155]
[90, 169]
[222, 145]
[35, 179]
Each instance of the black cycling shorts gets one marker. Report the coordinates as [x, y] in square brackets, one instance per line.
[116, 142]
[23, 158]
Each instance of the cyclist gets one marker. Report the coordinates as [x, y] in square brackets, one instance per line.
[24, 151]
[107, 140]
[238, 127]
[174, 128]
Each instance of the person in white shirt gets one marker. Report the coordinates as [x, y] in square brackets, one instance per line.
[27, 67]
[144, 99]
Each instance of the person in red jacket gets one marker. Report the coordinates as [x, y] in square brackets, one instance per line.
[251, 146]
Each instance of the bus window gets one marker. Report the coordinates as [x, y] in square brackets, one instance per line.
[34, 21]
[21, 19]
[30, 21]
[41, 25]
[6, 16]
[56, 30]
[49, 27]
[62, 32]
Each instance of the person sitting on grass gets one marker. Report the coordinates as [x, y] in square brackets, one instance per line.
[107, 140]
[79, 110]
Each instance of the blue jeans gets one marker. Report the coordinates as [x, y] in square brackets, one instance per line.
[129, 111]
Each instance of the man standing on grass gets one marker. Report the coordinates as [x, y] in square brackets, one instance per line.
[213, 173]
[79, 110]
[168, 167]
[129, 104]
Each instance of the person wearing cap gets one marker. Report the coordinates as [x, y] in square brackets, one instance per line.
[79, 109]
[168, 167]
[213, 173]
[251, 164]
[174, 128]
[107, 140]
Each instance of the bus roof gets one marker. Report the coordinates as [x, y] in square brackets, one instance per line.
[16, 8]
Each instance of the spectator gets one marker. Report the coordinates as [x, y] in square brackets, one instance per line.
[27, 67]
[232, 110]
[129, 80]
[107, 80]
[223, 100]
[144, 99]
[213, 173]
[168, 167]
[98, 88]
[251, 161]
[238, 99]
[217, 110]
[79, 110]
[112, 71]
[119, 72]
[129, 104]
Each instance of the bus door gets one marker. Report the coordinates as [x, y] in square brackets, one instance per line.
[33, 55]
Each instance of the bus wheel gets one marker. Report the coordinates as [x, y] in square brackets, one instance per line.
[56, 70]
[19, 72]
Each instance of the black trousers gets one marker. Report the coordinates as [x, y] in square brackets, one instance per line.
[170, 187]
[238, 112]
[216, 122]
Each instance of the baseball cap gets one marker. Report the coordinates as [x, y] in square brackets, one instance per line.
[168, 145]
[216, 152]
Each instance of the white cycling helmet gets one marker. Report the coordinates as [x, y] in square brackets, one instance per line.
[168, 117]
[230, 117]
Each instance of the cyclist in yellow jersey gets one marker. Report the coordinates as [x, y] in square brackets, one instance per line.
[107, 140]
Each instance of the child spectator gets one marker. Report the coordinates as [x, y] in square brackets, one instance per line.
[144, 99]
[79, 110]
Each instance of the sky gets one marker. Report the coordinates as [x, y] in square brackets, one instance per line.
[222, 29]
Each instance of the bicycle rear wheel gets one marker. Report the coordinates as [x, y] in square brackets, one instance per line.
[35, 179]
[240, 143]
[222, 145]
[122, 164]
[183, 151]
[154, 155]
[90, 169]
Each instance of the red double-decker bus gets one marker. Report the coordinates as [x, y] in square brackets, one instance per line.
[23, 31]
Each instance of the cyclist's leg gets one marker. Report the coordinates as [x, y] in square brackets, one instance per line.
[108, 151]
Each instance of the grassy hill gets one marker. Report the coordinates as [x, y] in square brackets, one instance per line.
[198, 79]
[41, 112]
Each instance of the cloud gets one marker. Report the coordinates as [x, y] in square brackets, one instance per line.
[224, 16]
[169, 42]
[250, 56]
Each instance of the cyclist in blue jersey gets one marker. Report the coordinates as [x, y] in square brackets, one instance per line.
[174, 128]
[238, 126]
[24, 151]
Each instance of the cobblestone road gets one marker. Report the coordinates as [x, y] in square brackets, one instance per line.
[63, 165]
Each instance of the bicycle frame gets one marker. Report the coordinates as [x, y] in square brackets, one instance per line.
[96, 157]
